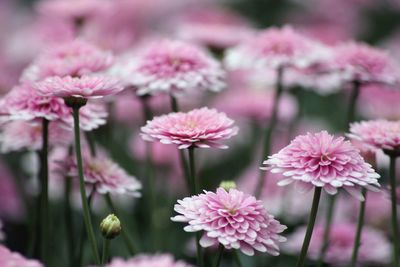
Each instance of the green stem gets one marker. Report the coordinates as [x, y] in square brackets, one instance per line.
[395, 226]
[81, 247]
[128, 242]
[355, 92]
[237, 259]
[357, 240]
[218, 257]
[44, 195]
[310, 227]
[270, 128]
[104, 255]
[85, 206]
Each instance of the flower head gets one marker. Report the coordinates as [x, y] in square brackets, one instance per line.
[274, 48]
[323, 161]
[9, 259]
[172, 67]
[233, 219]
[83, 87]
[374, 248]
[197, 128]
[142, 260]
[110, 227]
[377, 134]
[75, 58]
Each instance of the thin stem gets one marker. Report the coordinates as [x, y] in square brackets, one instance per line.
[218, 257]
[104, 255]
[357, 240]
[270, 128]
[310, 227]
[85, 205]
[237, 258]
[394, 211]
[355, 92]
[81, 247]
[174, 104]
[44, 195]
[128, 242]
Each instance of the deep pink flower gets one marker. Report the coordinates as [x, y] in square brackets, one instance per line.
[377, 134]
[75, 58]
[374, 248]
[197, 128]
[13, 259]
[84, 87]
[233, 219]
[274, 48]
[142, 260]
[323, 161]
[171, 67]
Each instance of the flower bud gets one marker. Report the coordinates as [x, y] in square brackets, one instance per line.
[110, 227]
[227, 185]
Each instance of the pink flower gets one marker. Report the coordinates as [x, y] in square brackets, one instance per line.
[103, 174]
[379, 102]
[74, 58]
[171, 67]
[142, 260]
[323, 161]
[377, 134]
[83, 87]
[374, 248]
[275, 48]
[197, 128]
[233, 219]
[91, 116]
[11, 259]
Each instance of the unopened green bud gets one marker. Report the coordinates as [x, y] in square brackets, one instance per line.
[110, 227]
[227, 185]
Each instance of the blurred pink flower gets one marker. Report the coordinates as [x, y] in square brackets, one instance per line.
[197, 128]
[320, 160]
[91, 116]
[88, 87]
[74, 58]
[171, 67]
[142, 260]
[11, 207]
[377, 134]
[374, 248]
[233, 219]
[275, 48]
[11, 259]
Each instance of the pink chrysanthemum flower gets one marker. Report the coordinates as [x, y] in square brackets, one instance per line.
[323, 161]
[274, 48]
[377, 134]
[103, 174]
[197, 128]
[172, 67]
[363, 63]
[83, 87]
[160, 260]
[233, 219]
[75, 58]
[11, 259]
[374, 248]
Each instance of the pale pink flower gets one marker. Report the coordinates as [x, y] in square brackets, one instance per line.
[12, 259]
[170, 67]
[103, 174]
[377, 134]
[197, 128]
[74, 58]
[143, 260]
[22, 135]
[84, 87]
[233, 219]
[321, 160]
[374, 248]
[274, 48]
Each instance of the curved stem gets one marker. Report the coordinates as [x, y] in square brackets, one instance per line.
[85, 205]
[128, 242]
[104, 255]
[310, 227]
[270, 128]
[44, 195]
[395, 227]
[360, 224]
[237, 259]
[218, 258]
